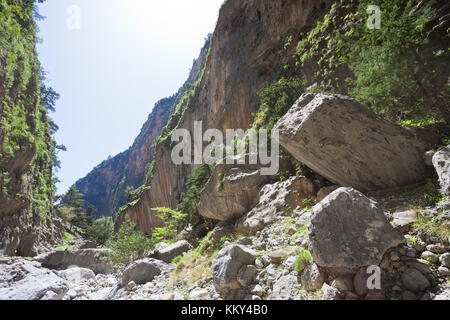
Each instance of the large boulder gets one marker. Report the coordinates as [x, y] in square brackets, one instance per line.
[351, 146]
[348, 231]
[142, 271]
[27, 280]
[232, 188]
[441, 162]
[226, 270]
[97, 260]
[167, 254]
[274, 201]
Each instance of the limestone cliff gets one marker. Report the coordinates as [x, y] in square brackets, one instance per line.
[247, 49]
[27, 149]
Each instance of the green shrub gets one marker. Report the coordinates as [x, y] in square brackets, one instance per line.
[303, 259]
[173, 221]
[128, 245]
[100, 231]
[399, 71]
[276, 100]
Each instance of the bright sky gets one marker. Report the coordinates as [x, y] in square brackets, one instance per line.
[126, 55]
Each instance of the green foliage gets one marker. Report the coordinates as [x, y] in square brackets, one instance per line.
[173, 220]
[128, 245]
[432, 227]
[303, 259]
[100, 231]
[191, 196]
[399, 71]
[276, 100]
[25, 128]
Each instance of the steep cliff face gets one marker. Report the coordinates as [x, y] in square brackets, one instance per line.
[105, 186]
[27, 149]
[246, 54]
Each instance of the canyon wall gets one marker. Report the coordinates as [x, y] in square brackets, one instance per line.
[246, 54]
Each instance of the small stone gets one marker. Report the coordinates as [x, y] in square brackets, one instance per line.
[131, 285]
[444, 271]
[436, 248]
[414, 280]
[257, 290]
[330, 293]
[396, 288]
[445, 259]
[279, 255]
[429, 256]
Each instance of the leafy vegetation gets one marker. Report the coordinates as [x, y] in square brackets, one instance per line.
[128, 245]
[400, 70]
[303, 259]
[276, 100]
[432, 226]
[100, 231]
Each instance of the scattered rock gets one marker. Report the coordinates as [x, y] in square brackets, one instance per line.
[414, 280]
[330, 293]
[199, 294]
[131, 285]
[257, 290]
[169, 253]
[429, 256]
[225, 269]
[445, 259]
[349, 145]
[349, 231]
[441, 162]
[437, 248]
[223, 229]
[274, 201]
[142, 271]
[403, 220]
[279, 255]
[286, 288]
[444, 271]
[32, 282]
[78, 274]
[312, 278]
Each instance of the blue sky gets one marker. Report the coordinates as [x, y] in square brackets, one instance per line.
[126, 55]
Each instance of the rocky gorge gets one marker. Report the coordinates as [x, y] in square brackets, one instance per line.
[359, 209]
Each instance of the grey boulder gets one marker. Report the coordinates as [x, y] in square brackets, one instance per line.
[142, 271]
[226, 270]
[350, 145]
[167, 254]
[32, 282]
[348, 231]
[97, 260]
[233, 189]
